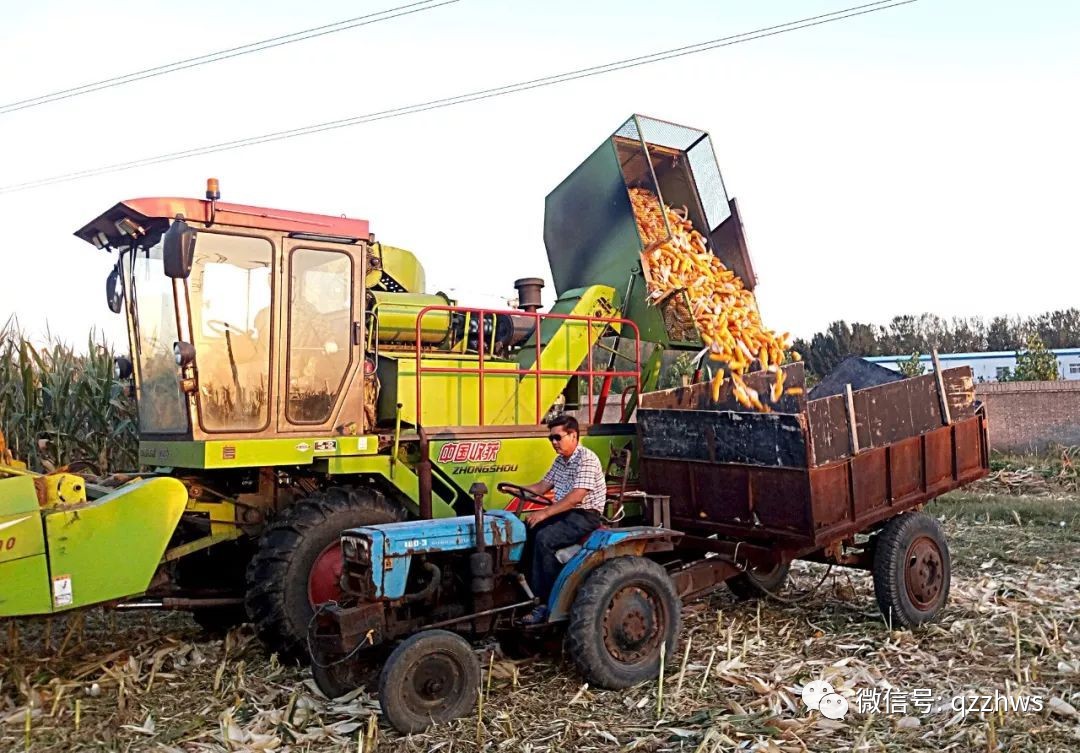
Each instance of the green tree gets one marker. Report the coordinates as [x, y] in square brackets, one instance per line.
[912, 367]
[1035, 363]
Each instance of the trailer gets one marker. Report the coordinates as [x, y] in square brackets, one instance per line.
[839, 479]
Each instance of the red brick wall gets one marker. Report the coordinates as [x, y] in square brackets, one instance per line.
[1030, 416]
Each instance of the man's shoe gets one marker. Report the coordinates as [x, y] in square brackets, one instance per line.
[538, 616]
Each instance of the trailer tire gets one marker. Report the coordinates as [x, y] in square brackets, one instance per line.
[626, 609]
[754, 584]
[912, 570]
[431, 677]
[281, 574]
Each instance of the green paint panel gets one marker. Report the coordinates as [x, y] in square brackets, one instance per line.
[252, 453]
[518, 460]
[24, 586]
[400, 475]
[20, 535]
[397, 314]
[402, 267]
[24, 574]
[110, 548]
[449, 399]
[17, 495]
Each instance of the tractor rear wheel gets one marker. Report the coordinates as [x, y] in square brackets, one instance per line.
[624, 612]
[298, 562]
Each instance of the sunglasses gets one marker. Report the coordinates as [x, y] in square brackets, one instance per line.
[557, 437]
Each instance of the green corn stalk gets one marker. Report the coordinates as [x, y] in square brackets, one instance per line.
[59, 406]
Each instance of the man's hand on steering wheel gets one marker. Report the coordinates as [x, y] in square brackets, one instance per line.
[523, 495]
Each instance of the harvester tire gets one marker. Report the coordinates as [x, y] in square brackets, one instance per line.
[222, 567]
[754, 583]
[279, 575]
[911, 569]
[623, 613]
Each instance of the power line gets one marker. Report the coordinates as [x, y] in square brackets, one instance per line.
[232, 52]
[474, 96]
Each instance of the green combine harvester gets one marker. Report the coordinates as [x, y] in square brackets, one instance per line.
[295, 379]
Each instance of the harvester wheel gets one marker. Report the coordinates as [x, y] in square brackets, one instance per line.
[626, 609]
[220, 567]
[431, 677]
[755, 583]
[298, 562]
[911, 569]
[217, 621]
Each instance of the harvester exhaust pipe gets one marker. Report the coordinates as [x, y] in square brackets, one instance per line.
[528, 290]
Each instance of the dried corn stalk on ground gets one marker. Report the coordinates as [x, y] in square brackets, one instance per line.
[724, 311]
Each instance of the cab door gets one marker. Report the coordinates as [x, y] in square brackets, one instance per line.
[321, 307]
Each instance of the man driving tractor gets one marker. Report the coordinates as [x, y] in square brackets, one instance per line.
[580, 497]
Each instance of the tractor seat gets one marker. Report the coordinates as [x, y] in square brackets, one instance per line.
[567, 553]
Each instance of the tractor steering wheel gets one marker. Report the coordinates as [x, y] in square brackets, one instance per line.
[522, 494]
[219, 327]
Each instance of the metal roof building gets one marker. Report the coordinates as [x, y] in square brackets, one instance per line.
[987, 367]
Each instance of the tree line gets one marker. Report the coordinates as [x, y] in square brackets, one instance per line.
[909, 334]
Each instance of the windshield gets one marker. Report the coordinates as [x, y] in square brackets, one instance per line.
[162, 405]
[230, 292]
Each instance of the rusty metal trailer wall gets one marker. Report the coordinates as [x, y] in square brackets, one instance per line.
[792, 479]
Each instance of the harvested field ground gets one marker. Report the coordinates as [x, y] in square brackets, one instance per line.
[146, 681]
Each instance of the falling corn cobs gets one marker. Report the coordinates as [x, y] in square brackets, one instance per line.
[724, 311]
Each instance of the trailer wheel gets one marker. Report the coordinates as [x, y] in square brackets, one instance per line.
[625, 611]
[755, 583]
[298, 562]
[430, 678]
[911, 569]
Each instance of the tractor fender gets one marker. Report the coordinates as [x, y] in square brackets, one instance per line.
[602, 545]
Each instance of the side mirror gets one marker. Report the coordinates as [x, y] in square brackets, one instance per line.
[114, 291]
[178, 250]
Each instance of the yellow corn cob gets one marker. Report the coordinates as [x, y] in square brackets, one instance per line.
[724, 311]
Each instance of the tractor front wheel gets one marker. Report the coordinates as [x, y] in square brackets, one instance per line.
[430, 678]
[298, 562]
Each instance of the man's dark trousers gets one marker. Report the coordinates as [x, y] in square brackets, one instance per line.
[555, 533]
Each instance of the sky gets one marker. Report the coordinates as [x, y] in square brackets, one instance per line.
[922, 158]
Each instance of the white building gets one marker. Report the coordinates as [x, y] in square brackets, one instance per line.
[987, 367]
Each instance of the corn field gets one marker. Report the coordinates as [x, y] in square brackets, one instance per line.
[59, 406]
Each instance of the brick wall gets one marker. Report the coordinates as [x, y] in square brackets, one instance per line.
[1029, 416]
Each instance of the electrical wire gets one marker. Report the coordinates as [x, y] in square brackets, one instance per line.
[232, 52]
[551, 80]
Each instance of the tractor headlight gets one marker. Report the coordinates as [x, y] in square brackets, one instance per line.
[122, 368]
[184, 353]
[349, 549]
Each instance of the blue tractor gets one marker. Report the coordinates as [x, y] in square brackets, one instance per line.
[435, 587]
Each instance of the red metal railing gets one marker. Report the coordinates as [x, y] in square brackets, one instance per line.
[590, 372]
